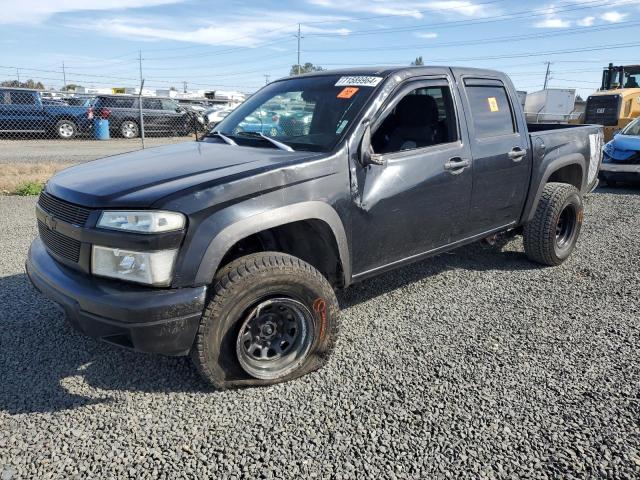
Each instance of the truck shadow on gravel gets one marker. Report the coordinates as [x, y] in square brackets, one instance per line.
[46, 366]
[475, 257]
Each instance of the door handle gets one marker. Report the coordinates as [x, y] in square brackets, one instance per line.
[455, 165]
[517, 153]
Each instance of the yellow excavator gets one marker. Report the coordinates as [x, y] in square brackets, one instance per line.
[618, 100]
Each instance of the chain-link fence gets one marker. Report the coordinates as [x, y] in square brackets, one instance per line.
[48, 117]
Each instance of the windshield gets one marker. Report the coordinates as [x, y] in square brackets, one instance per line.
[632, 129]
[304, 113]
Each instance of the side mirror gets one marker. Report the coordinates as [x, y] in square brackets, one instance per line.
[367, 157]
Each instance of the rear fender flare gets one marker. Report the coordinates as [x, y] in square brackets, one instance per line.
[229, 234]
[551, 168]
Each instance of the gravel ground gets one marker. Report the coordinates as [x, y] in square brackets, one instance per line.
[474, 364]
[74, 151]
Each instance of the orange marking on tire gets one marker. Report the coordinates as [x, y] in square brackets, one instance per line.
[320, 306]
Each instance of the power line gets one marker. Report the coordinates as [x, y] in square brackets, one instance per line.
[490, 19]
[500, 39]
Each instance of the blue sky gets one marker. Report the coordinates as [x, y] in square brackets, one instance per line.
[233, 44]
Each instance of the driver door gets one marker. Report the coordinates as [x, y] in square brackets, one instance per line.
[416, 201]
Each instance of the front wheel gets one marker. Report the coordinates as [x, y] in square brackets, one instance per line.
[551, 236]
[272, 318]
[129, 129]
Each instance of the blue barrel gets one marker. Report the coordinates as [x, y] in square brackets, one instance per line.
[101, 128]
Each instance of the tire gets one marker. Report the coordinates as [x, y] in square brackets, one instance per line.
[551, 236]
[129, 129]
[250, 296]
[66, 129]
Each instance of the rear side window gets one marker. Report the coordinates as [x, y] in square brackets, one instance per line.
[490, 111]
[22, 98]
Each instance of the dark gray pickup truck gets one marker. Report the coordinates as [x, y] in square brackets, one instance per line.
[230, 248]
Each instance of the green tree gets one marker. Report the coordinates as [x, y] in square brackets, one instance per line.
[418, 61]
[306, 68]
[72, 87]
[28, 84]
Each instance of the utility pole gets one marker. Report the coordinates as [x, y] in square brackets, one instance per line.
[64, 77]
[140, 63]
[299, 38]
[266, 78]
[184, 85]
[546, 76]
[18, 75]
[140, 100]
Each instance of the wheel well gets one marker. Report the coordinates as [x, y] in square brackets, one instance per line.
[310, 240]
[65, 117]
[571, 174]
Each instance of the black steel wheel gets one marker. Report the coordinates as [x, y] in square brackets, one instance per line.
[272, 318]
[551, 236]
[274, 338]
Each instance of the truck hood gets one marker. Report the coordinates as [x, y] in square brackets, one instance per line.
[139, 179]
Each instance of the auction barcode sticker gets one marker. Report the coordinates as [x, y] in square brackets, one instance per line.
[359, 81]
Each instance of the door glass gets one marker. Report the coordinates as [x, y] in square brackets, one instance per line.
[423, 118]
[169, 105]
[491, 111]
[151, 104]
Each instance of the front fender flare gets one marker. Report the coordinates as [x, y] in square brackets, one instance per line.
[229, 235]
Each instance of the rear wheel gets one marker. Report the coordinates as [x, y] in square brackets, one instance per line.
[551, 236]
[129, 129]
[66, 129]
[272, 318]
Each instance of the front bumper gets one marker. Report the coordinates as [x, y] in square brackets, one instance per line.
[619, 172]
[142, 318]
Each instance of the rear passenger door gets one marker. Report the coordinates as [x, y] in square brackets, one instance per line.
[501, 162]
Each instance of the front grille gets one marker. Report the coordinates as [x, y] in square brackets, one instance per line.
[61, 245]
[65, 211]
[602, 110]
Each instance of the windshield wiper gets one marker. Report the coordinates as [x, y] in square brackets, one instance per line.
[280, 145]
[224, 138]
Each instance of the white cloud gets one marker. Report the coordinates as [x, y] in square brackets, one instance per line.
[552, 20]
[586, 21]
[427, 35]
[613, 16]
[243, 30]
[414, 9]
[36, 11]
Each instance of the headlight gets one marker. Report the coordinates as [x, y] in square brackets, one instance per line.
[153, 268]
[142, 221]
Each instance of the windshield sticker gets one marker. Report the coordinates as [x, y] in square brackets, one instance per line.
[493, 104]
[360, 81]
[341, 126]
[348, 92]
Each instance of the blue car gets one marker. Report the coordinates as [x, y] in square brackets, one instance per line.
[25, 111]
[621, 159]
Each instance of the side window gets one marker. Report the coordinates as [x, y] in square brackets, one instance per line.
[4, 98]
[490, 111]
[22, 98]
[169, 105]
[151, 104]
[422, 118]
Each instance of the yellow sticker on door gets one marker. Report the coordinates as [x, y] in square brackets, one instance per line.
[493, 104]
